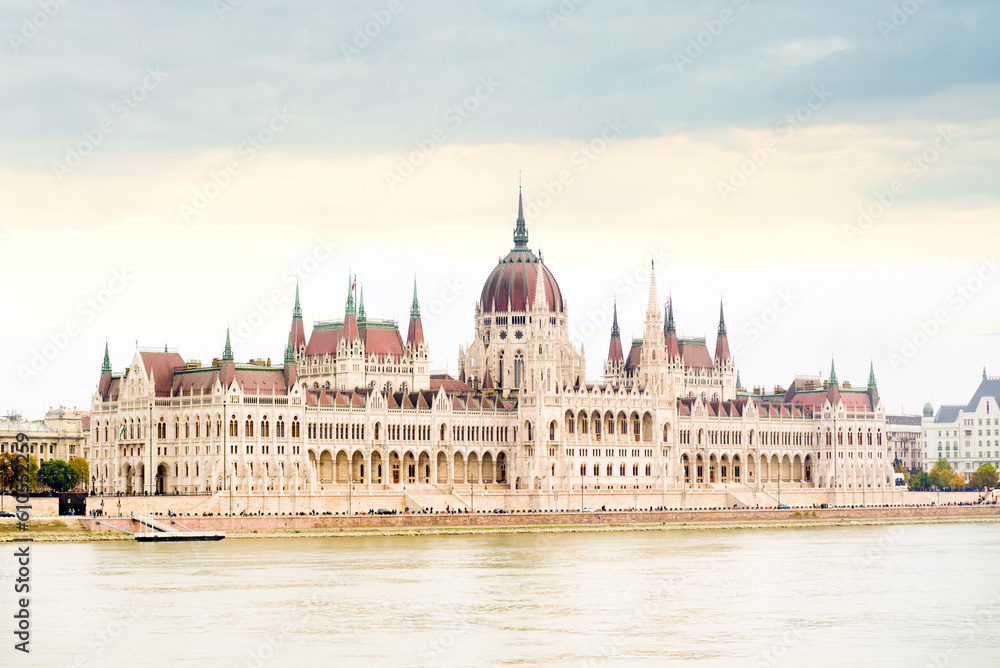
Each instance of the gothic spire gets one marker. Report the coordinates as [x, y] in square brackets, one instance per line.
[227, 352]
[415, 306]
[833, 374]
[361, 304]
[722, 321]
[739, 385]
[289, 351]
[350, 295]
[521, 230]
[297, 311]
[871, 374]
[669, 326]
[106, 367]
[614, 325]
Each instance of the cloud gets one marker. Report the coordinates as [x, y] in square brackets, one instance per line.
[804, 52]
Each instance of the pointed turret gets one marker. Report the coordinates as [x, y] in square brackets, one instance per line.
[520, 230]
[105, 383]
[652, 307]
[362, 317]
[833, 386]
[739, 385]
[289, 370]
[722, 342]
[541, 300]
[350, 316]
[227, 368]
[872, 386]
[297, 331]
[415, 332]
[615, 355]
[670, 332]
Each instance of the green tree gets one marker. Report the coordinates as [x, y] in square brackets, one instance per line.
[985, 476]
[940, 475]
[82, 469]
[57, 475]
[957, 481]
[919, 480]
[7, 469]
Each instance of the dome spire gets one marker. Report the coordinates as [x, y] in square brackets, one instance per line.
[227, 352]
[521, 230]
[362, 317]
[297, 311]
[415, 306]
[106, 367]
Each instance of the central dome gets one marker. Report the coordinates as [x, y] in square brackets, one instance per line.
[511, 285]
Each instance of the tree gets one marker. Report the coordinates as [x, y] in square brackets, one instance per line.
[57, 475]
[985, 476]
[919, 480]
[899, 468]
[957, 481]
[82, 469]
[7, 469]
[940, 475]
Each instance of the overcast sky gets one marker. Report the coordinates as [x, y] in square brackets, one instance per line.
[168, 168]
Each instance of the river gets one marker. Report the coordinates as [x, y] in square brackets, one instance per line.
[910, 595]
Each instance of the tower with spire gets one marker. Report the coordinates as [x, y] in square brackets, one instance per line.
[297, 332]
[614, 365]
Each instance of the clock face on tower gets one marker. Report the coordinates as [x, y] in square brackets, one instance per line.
[503, 336]
[518, 335]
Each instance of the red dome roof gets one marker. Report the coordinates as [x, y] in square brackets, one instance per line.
[513, 282]
[511, 286]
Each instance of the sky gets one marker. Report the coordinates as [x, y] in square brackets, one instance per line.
[827, 170]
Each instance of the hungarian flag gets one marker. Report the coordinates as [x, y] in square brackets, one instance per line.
[121, 430]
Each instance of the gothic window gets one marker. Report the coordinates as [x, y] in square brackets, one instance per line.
[518, 368]
[233, 427]
[265, 428]
[295, 427]
[279, 427]
[248, 427]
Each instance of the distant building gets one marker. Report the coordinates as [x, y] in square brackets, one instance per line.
[62, 434]
[967, 436]
[905, 437]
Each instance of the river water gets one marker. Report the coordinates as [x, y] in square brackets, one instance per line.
[915, 595]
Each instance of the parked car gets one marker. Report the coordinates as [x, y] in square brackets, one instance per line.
[5, 513]
[589, 510]
[782, 506]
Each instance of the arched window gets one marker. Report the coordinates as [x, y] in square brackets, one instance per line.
[610, 469]
[279, 427]
[583, 470]
[635, 469]
[161, 429]
[187, 427]
[177, 429]
[621, 469]
[295, 427]
[552, 430]
[597, 469]
[234, 427]
[500, 368]
[218, 425]
[442, 431]
[518, 368]
[265, 428]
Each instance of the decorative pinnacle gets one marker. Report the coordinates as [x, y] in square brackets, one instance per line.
[297, 311]
[669, 325]
[415, 306]
[521, 230]
[871, 374]
[739, 385]
[833, 374]
[615, 332]
[106, 367]
[289, 352]
[361, 304]
[349, 310]
[227, 352]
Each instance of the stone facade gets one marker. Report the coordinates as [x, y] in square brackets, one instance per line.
[354, 407]
[966, 435]
[61, 434]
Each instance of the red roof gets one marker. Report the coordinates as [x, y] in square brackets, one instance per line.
[615, 350]
[415, 334]
[722, 348]
[513, 282]
[696, 355]
[382, 342]
[161, 366]
[298, 334]
[323, 341]
[85, 422]
[634, 356]
[448, 383]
